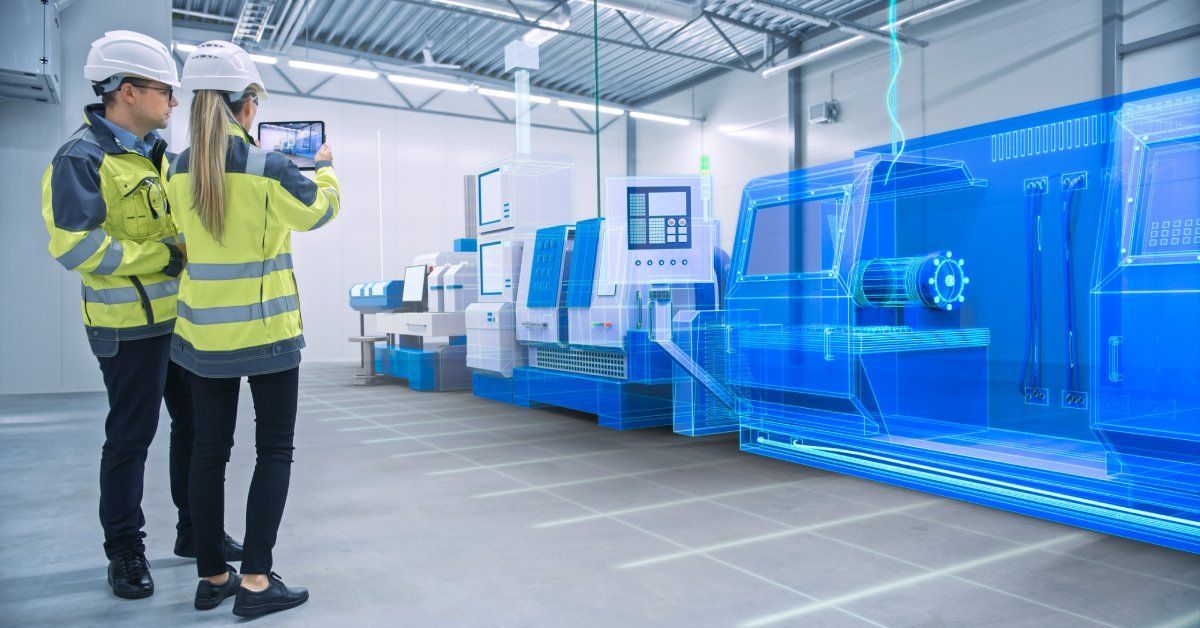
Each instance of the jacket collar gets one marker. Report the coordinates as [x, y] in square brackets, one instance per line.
[236, 130]
[92, 115]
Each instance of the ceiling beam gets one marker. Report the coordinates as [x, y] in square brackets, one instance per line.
[570, 33]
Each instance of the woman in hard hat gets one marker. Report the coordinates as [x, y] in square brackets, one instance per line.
[239, 313]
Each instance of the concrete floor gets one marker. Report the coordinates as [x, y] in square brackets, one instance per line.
[424, 509]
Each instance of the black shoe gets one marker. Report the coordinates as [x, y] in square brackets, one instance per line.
[210, 596]
[185, 547]
[276, 597]
[129, 576]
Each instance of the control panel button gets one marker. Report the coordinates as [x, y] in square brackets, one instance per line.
[682, 222]
[660, 262]
[670, 222]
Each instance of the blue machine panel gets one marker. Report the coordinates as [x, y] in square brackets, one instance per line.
[376, 297]
[583, 263]
[545, 277]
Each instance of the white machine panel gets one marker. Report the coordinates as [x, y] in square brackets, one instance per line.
[524, 193]
[499, 270]
[461, 287]
[436, 290]
[428, 325]
[658, 232]
[491, 338]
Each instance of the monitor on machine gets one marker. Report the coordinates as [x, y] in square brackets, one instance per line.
[659, 217]
[413, 296]
[491, 201]
[1167, 217]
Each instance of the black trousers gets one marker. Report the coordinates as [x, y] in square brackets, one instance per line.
[216, 401]
[138, 378]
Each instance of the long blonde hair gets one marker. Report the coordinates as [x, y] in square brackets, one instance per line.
[209, 141]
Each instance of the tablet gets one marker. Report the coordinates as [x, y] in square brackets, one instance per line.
[298, 141]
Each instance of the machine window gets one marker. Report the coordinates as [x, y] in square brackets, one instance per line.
[792, 238]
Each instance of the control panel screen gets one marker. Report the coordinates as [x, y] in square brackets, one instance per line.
[491, 200]
[414, 284]
[1170, 218]
[659, 217]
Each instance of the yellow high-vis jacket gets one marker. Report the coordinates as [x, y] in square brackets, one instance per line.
[239, 307]
[106, 211]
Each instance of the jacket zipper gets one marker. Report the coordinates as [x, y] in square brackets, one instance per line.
[145, 299]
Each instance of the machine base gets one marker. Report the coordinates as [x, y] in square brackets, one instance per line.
[1124, 517]
[617, 404]
[441, 370]
[497, 388]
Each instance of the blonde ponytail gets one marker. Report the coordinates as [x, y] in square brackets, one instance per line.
[209, 140]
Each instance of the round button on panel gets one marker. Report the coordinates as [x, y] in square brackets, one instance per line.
[660, 262]
[670, 222]
[637, 262]
[682, 222]
[672, 262]
[685, 262]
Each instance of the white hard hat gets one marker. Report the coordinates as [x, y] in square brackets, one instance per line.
[126, 53]
[222, 66]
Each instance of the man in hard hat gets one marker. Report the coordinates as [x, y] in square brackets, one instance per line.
[105, 208]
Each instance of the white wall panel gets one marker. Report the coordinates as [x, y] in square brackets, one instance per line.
[42, 342]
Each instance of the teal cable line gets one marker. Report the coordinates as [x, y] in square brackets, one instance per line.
[890, 98]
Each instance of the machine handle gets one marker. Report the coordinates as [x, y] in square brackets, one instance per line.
[1114, 358]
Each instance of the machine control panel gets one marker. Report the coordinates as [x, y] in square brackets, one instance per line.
[545, 275]
[659, 217]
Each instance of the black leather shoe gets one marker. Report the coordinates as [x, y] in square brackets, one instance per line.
[129, 576]
[210, 596]
[276, 597]
[185, 547]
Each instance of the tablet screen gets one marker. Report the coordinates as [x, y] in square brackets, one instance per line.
[298, 141]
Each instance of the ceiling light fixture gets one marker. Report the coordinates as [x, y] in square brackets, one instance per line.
[496, 93]
[332, 69]
[587, 106]
[654, 117]
[431, 83]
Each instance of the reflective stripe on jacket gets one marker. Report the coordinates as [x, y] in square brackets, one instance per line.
[239, 310]
[106, 211]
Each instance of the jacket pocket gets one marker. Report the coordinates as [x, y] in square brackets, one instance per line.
[142, 204]
[103, 342]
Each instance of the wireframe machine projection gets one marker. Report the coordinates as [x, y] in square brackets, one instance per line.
[1005, 314]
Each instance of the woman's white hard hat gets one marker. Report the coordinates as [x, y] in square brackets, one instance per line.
[222, 66]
